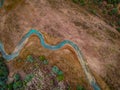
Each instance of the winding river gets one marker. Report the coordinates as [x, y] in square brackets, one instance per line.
[24, 39]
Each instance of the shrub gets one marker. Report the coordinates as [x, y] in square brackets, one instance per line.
[118, 23]
[42, 58]
[4, 77]
[55, 69]
[16, 77]
[28, 77]
[75, 1]
[3, 70]
[97, 1]
[93, 11]
[113, 11]
[80, 87]
[10, 86]
[3, 74]
[45, 62]
[114, 2]
[60, 77]
[17, 85]
[60, 72]
[81, 2]
[118, 29]
[30, 58]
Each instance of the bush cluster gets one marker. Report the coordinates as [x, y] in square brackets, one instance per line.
[4, 72]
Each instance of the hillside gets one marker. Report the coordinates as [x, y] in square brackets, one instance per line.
[60, 20]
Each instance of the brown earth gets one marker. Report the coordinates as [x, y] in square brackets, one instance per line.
[61, 19]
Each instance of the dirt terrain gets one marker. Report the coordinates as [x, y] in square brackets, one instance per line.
[62, 19]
